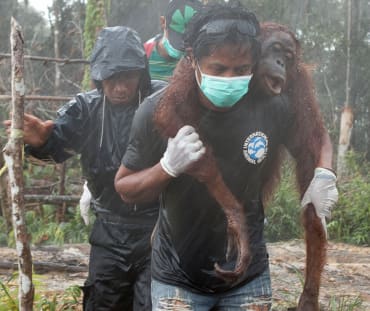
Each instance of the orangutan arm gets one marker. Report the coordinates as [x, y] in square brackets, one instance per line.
[141, 186]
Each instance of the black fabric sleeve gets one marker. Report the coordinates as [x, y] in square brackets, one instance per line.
[51, 151]
[146, 146]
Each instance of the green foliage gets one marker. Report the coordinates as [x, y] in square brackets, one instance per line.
[339, 302]
[351, 216]
[46, 303]
[70, 299]
[44, 230]
[41, 219]
[95, 20]
[283, 212]
[3, 234]
[7, 294]
[344, 303]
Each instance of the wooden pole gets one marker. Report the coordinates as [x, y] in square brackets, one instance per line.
[13, 159]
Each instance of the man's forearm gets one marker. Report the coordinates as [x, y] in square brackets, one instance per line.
[142, 186]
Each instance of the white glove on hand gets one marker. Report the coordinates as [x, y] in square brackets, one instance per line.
[85, 204]
[322, 193]
[183, 150]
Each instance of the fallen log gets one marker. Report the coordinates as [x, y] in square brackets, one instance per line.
[51, 199]
[42, 267]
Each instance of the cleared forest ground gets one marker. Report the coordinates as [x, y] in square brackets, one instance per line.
[345, 280]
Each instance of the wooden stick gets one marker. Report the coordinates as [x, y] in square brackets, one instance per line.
[39, 97]
[49, 59]
[13, 159]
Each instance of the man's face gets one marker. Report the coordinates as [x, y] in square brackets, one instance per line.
[121, 88]
[226, 61]
[229, 60]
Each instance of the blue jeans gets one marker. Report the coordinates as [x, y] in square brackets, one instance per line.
[255, 295]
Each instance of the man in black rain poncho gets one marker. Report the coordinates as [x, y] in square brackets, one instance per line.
[96, 124]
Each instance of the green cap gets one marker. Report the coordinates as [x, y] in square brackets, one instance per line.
[178, 14]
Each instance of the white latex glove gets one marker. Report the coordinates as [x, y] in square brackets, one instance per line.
[183, 150]
[85, 204]
[322, 193]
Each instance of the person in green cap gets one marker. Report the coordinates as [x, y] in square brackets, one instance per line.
[165, 49]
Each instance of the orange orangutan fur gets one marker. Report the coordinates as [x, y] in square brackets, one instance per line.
[180, 106]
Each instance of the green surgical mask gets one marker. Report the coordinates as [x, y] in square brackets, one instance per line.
[171, 51]
[224, 92]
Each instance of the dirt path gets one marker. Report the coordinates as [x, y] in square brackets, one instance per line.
[345, 281]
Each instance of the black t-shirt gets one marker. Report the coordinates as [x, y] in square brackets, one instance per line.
[191, 235]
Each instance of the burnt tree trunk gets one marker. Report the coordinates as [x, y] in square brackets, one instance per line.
[346, 122]
[13, 159]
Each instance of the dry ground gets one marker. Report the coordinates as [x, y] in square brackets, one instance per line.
[345, 281]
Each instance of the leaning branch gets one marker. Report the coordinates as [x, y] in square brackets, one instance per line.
[49, 59]
[13, 159]
[39, 97]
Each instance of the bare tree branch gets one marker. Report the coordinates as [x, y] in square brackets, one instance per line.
[13, 159]
[49, 59]
[39, 97]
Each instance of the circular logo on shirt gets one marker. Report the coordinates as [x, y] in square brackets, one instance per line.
[255, 147]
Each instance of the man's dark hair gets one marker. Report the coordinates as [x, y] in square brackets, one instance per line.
[145, 84]
[217, 24]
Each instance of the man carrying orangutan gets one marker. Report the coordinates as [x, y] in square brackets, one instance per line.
[203, 123]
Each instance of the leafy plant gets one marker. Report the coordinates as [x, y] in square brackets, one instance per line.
[351, 216]
[283, 212]
[3, 234]
[44, 230]
[344, 303]
[70, 299]
[7, 302]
